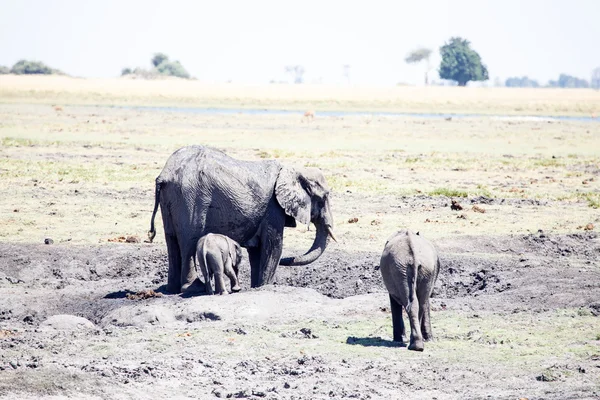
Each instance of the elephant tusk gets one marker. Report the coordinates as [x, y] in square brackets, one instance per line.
[330, 232]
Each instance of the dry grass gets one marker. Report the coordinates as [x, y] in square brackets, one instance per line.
[86, 173]
[183, 93]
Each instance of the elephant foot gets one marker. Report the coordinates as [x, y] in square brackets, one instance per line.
[194, 287]
[236, 289]
[416, 345]
[173, 288]
[400, 339]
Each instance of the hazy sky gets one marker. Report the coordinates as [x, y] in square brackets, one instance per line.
[251, 41]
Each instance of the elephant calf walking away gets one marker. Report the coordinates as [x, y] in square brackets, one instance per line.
[219, 255]
[409, 267]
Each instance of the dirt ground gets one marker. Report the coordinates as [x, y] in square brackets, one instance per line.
[515, 310]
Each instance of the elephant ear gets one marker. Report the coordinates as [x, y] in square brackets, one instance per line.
[292, 196]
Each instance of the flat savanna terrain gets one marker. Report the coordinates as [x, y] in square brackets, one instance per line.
[515, 311]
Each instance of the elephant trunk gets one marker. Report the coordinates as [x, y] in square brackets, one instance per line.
[321, 240]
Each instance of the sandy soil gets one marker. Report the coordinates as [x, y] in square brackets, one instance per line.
[71, 327]
[515, 312]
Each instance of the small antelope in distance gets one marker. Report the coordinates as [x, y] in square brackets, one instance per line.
[309, 115]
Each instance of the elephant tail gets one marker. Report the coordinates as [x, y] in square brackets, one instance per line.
[152, 231]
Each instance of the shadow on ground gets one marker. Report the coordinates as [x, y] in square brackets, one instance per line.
[373, 342]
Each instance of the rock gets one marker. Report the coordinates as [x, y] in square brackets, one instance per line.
[478, 209]
[353, 220]
[589, 227]
[455, 206]
[132, 239]
[48, 241]
[65, 322]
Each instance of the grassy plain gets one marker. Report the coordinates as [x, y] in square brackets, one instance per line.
[183, 93]
[84, 172]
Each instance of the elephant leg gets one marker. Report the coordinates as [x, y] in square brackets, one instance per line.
[174, 277]
[229, 271]
[426, 322]
[424, 315]
[270, 253]
[254, 259]
[205, 274]
[271, 245]
[189, 277]
[219, 281]
[416, 340]
[397, 321]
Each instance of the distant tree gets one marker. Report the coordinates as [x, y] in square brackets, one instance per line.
[568, 81]
[347, 72]
[4, 70]
[460, 63]
[161, 66]
[418, 55]
[172, 68]
[296, 71]
[159, 58]
[24, 67]
[595, 81]
[521, 82]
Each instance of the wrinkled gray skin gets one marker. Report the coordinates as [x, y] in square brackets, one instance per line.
[218, 255]
[410, 266]
[202, 190]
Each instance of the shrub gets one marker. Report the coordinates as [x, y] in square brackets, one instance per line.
[126, 71]
[159, 58]
[4, 70]
[172, 68]
[24, 67]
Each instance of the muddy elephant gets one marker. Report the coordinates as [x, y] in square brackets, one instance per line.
[218, 255]
[409, 267]
[202, 190]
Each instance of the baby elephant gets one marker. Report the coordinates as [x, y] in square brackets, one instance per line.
[218, 255]
[409, 266]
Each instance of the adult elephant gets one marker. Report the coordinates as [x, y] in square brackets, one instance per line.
[202, 190]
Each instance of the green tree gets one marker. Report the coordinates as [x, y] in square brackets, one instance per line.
[418, 55]
[461, 63]
[126, 71]
[159, 58]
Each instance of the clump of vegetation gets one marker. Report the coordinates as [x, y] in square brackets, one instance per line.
[568, 81]
[593, 199]
[25, 67]
[448, 192]
[521, 82]
[161, 67]
[4, 70]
